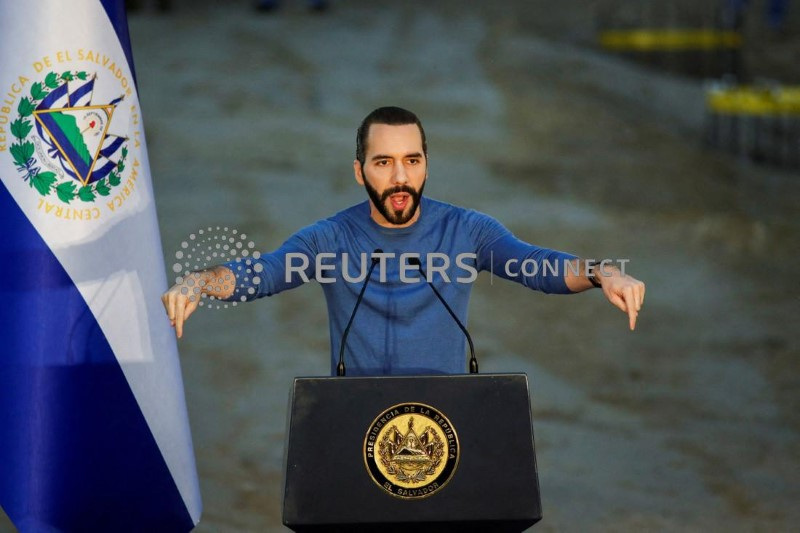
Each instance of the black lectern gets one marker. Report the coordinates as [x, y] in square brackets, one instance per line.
[432, 453]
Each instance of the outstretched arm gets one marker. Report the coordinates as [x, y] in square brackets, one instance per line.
[247, 278]
[182, 299]
[551, 271]
[622, 290]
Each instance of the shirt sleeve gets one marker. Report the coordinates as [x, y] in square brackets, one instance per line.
[290, 266]
[504, 255]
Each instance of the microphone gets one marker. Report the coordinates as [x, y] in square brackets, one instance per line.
[473, 362]
[340, 370]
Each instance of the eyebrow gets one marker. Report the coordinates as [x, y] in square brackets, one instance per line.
[377, 157]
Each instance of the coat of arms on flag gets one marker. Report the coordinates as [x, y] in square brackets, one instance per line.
[65, 142]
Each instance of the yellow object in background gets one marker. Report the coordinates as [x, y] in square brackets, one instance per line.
[749, 100]
[669, 39]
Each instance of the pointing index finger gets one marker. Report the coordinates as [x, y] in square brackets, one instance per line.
[630, 301]
[179, 316]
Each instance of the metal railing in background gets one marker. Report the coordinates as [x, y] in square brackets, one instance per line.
[670, 39]
[706, 39]
[698, 52]
[759, 122]
[698, 39]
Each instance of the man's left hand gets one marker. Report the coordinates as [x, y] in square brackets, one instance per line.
[624, 291]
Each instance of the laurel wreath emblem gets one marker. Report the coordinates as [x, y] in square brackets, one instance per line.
[45, 182]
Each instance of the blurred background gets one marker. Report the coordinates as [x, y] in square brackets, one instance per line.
[666, 132]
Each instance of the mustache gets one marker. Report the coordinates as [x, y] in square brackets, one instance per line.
[400, 188]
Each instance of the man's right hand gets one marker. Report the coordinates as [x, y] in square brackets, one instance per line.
[182, 299]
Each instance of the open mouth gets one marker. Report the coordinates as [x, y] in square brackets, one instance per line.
[399, 200]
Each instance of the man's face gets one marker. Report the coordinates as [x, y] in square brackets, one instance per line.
[394, 173]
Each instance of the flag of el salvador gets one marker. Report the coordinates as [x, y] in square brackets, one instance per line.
[94, 434]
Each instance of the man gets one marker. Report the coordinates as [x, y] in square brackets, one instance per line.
[400, 328]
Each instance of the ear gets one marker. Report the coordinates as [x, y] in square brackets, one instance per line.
[358, 171]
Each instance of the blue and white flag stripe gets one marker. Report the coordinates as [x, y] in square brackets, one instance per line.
[58, 97]
[82, 95]
[95, 434]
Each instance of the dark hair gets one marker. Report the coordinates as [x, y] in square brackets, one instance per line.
[393, 116]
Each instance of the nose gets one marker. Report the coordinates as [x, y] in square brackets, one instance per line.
[399, 175]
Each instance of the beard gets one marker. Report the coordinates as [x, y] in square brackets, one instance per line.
[382, 205]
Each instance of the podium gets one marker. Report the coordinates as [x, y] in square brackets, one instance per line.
[441, 453]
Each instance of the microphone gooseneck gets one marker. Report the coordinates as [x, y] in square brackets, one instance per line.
[340, 369]
[473, 362]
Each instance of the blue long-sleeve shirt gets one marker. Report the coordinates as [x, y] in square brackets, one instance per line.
[400, 327]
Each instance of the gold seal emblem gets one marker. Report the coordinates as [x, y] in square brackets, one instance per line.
[411, 450]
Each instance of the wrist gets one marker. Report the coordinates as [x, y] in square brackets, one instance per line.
[209, 281]
[597, 272]
[591, 273]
